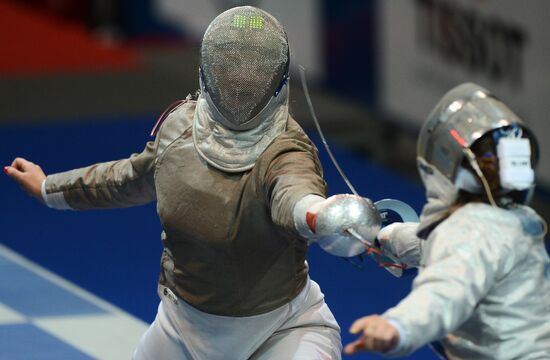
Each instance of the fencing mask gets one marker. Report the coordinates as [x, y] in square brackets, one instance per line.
[244, 63]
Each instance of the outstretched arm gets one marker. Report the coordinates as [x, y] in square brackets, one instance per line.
[121, 183]
[465, 257]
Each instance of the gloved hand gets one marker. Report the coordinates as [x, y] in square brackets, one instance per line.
[335, 219]
[400, 241]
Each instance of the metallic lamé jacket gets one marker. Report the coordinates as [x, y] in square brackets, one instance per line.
[483, 287]
[230, 245]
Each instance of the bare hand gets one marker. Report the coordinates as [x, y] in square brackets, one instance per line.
[377, 334]
[28, 175]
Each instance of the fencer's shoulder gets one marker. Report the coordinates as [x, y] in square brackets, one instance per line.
[529, 211]
[293, 126]
[486, 211]
[292, 140]
[479, 231]
[484, 220]
[174, 121]
[179, 113]
[294, 133]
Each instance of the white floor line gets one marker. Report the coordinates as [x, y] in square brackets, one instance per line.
[61, 282]
[110, 335]
[106, 336]
[9, 316]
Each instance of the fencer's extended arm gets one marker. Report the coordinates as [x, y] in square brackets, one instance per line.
[400, 240]
[292, 171]
[122, 183]
[466, 255]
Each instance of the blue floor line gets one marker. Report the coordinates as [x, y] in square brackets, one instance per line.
[27, 342]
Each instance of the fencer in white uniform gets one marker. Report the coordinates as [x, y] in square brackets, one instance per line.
[483, 289]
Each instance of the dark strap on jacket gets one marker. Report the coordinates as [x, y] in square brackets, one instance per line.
[165, 114]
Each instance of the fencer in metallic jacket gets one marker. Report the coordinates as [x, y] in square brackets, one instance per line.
[234, 176]
[483, 289]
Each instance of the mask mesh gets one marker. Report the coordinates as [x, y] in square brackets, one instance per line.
[244, 56]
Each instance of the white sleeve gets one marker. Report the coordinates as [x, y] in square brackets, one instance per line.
[463, 261]
[305, 204]
[400, 241]
[54, 200]
[402, 338]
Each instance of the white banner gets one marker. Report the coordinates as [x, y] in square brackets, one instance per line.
[429, 46]
[301, 19]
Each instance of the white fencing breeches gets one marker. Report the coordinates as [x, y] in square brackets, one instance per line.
[303, 329]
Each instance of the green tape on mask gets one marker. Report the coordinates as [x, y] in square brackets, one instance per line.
[254, 22]
[239, 21]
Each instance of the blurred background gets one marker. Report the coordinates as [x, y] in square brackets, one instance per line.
[83, 81]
